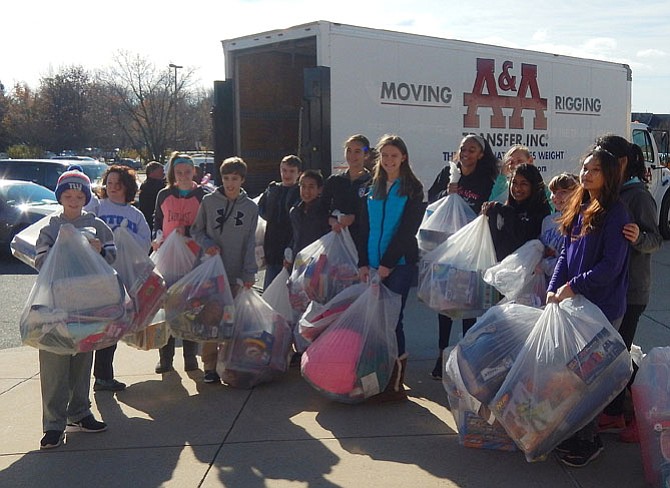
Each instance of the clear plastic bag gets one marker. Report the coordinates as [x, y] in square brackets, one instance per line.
[145, 286]
[175, 258]
[78, 302]
[651, 398]
[323, 269]
[260, 345]
[450, 276]
[277, 296]
[514, 273]
[354, 358]
[486, 353]
[443, 218]
[572, 366]
[199, 307]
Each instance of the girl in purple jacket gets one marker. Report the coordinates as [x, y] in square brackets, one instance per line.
[593, 263]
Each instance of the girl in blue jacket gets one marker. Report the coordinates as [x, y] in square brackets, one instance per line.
[593, 263]
[390, 220]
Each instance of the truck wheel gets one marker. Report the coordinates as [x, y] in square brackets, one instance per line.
[664, 219]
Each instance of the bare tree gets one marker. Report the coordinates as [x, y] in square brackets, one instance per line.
[144, 98]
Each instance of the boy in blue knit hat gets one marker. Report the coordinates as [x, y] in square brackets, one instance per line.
[65, 380]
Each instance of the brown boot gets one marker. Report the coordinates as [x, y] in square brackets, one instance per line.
[395, 390]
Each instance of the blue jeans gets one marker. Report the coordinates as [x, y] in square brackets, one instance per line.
[400, 281]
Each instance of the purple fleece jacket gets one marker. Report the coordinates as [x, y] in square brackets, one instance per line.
[596, 265]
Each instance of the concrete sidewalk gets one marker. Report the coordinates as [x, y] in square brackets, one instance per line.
[173, 430]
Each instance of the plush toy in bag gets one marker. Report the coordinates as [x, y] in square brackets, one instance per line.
[450, 276]
[571, 366]
[78, 302]
[323, 269]
[651, 398]
[486, 353]
[199, 307]
[354, 358]
[260, 345]
[477, 428]
[444, 217]
[146, 288]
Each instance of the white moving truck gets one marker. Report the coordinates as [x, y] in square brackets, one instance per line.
[306, 89]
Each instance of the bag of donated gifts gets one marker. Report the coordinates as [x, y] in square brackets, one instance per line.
[450, 276]
[651, 398]
[176, 257]
[78, 302]
[354, 358]
[323, 269]
[570, 368]
[199, 307]
[515, 273]
[443, 218]
[477, 428]
[146, 288]
[260, 345]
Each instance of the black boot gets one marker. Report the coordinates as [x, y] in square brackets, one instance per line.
[190, 348]
[395, 390]
[166, 353]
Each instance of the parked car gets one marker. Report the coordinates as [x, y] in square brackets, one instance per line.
[131, 163]
[22, 203]
[45, 172]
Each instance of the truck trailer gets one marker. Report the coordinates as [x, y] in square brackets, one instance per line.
[305, 89]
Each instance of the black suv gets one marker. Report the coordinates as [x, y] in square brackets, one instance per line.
[45, 172]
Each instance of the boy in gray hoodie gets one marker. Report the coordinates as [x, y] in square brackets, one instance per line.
[64, 379]
[226, 225]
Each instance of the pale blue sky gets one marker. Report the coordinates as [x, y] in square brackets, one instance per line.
[49, 34]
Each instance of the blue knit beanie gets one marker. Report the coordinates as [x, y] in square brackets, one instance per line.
[73, 180]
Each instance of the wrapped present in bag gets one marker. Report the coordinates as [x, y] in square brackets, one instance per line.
[486, 353]
[570, 368]
[442, 219]
[260, 346]
[651, 398]
[317, 317]
[199, 307]
[23, 244]
[477, 428]
[145, 286]
[175, 258]
[323, 269]
[516, 272]
[78, 302]
[450, 276]
[154, 336]
[354, 358]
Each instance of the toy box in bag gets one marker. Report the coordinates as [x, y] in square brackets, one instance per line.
[323, 269]
[153, 336]
[486, 353]
[23, 243]
[199, 307]
[145, 286]
[651, 398]
[260, 345]
[572, 366]
[442, 219]
[450, 276]
[78, 302]
[477, 428]
[354, 358]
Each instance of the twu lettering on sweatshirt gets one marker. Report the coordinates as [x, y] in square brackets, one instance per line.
[114, 221]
